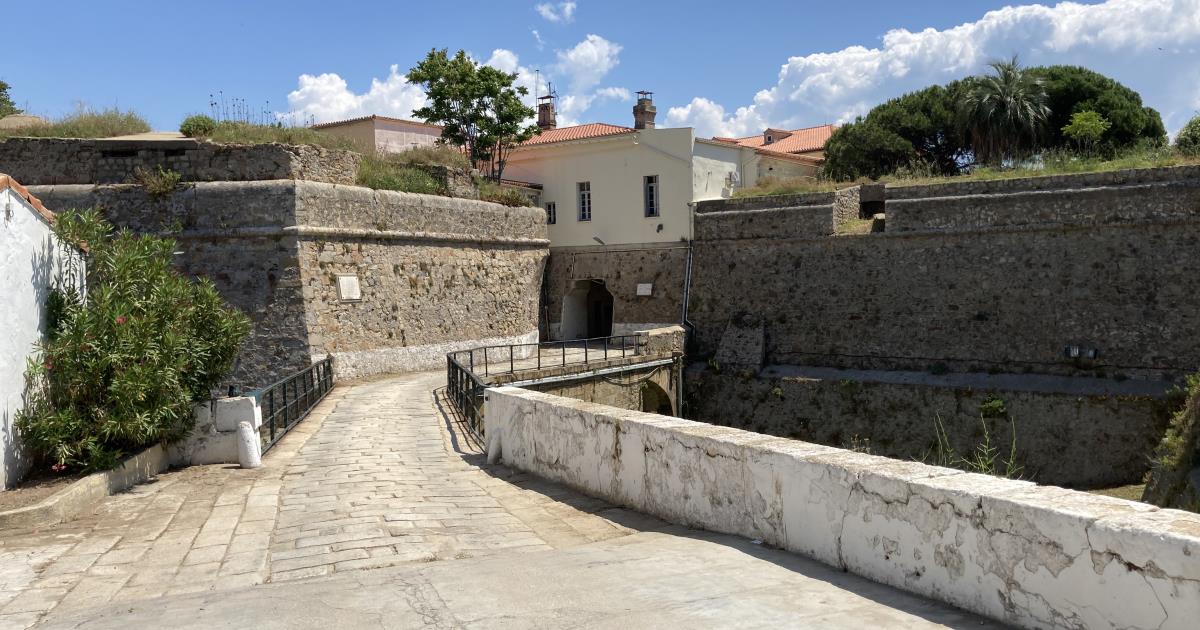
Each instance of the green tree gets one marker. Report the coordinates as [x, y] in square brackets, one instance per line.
[1086, 129]
[7, 106]
[1188, 140]
[125, 360]
[920, 127]
[477, 106]
[1005, 113]
[1072, 89]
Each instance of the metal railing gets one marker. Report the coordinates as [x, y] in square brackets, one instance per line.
[467, 370]
[289, 400]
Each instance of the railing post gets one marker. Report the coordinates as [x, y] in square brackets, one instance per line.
[606, 348]
[510, 359]
[485, 361]
[564, 347]
[585, 351]
[538, 349]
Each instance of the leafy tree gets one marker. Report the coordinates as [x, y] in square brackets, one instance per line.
[1188, 140]
[125, 360]
[1072, 89]
[1005, 112]
[920, 127]
[7, 106]
[865, 149]
[477, 106]
[1086, 129]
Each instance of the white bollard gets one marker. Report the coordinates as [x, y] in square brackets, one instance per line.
[249, 446]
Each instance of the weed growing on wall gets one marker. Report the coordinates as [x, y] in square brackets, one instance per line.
[124, 360]
[985, 457]
[86, 122]
[157, 183]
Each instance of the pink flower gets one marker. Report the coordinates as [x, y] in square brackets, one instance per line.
[121, 320]
[58, 467]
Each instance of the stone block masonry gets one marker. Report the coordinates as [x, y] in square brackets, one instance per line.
[432, 274]
[1099, 435]
[102, 161]
[1034, 557]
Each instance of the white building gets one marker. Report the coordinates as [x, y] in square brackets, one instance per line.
[388, 135]
[618, 201]
[31, 260]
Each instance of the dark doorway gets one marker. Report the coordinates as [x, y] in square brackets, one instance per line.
[599, 310]
[656, 400]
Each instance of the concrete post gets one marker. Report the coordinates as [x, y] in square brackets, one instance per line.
[249, 446]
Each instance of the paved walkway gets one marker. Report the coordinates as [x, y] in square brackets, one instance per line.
[378, 479]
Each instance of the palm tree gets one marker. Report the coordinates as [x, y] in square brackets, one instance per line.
[1004, 112]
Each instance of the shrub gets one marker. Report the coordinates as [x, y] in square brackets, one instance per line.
[124, 361]
[198, 126]
[158, 183]
[1188, 140]
[1178, 452]
[1086, 129]
[495, 193]
[87, 123]
[432, 155]
[382, 174]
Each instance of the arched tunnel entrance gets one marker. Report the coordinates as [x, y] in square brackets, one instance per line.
[655, 399]
[587, 310]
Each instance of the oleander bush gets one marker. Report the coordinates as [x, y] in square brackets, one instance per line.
[124, 360]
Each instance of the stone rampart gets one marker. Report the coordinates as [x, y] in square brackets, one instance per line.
[105, 161]
[1081, 433]
[1034, 557]
[1167, 201]
[1098, 281]
[421, 275]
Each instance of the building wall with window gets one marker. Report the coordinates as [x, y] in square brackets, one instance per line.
[615, 169]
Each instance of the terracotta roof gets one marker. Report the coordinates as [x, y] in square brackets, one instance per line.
[801, 140]
[338, 123]
[7, 182]
[578, 132]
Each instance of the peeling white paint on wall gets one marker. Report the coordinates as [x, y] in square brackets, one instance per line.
[30, 263]
[1033, 556]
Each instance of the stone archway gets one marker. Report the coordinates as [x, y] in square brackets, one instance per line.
[655, 399]
[587, 310]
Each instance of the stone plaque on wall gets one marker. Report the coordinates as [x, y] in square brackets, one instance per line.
[348, 288]
[644, 290]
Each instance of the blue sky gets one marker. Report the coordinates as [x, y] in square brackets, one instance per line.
[724, 67]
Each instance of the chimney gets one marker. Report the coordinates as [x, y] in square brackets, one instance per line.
[643, 112]
[546, 116]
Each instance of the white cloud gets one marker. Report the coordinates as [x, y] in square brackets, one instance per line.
[541, 44]
[507, 61]
[587, 63]
[562, 12]
[326, 97]
[613, 94]
[1150, 45]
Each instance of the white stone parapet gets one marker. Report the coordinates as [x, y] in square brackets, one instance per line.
[1029, 555]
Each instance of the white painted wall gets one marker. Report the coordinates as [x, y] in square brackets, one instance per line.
[1028, 555]
[30, 262]
[393, 136]
[712, 163]
[615, 167]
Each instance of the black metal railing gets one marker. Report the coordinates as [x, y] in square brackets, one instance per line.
[468, 371]
[288, 401]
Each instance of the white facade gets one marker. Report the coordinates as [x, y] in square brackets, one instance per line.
[614, 169]
[388, 135]
[30, 263]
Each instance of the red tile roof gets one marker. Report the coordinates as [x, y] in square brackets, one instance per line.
[800, 140]
[578, 132]
[7, 182]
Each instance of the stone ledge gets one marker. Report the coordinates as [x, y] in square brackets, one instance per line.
[84, 493]
[1028, 555]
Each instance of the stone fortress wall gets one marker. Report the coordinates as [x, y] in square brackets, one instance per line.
[433, 274]
[1091, 276]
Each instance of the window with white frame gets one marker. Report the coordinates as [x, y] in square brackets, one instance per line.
[650, 194]
[585, 201]
[551, 213]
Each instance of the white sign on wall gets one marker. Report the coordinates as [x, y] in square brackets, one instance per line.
[645, 289]
[348, 289]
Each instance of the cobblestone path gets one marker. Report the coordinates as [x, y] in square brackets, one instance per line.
[376, 476]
